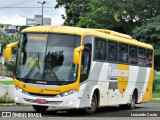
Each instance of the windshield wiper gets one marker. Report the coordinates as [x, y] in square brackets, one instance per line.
[52, 71]
[32, 68]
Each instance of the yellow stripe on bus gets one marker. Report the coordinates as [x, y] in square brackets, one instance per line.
[148, 92]
[123, 79]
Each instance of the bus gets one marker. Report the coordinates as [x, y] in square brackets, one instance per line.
[80, 68]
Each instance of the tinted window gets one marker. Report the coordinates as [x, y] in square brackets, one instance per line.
[86, 58]
[149, 58]
[133, 55]
[112, 51]
[123, 53]
[141, 56]
[100, 49]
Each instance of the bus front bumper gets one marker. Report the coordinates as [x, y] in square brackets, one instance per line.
[69, 102]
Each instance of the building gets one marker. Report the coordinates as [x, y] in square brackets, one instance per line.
[38, 21]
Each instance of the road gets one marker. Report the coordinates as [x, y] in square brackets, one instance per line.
[105, 112]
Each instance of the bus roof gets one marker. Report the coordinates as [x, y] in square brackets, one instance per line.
[108, 34]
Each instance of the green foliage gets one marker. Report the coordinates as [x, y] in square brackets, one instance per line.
[74, 10]
[156, 84]
[22, 27]
[5, 99]
[122, 15]
[156, 95]
[4, 40]
[10, 65]
[149, 33]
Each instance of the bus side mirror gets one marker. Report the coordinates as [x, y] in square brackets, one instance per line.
[8, 50]
[77, 50]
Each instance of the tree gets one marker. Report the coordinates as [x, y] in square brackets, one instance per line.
[22, 27]
[74, 10]
[119, 15]
[4, 39]
[149, 33]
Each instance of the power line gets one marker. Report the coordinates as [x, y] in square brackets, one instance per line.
[23, 7]
[19, 3]
[27, 15]
[16, 4]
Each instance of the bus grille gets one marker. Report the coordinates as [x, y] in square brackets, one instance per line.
[48, 102]
[42, 95]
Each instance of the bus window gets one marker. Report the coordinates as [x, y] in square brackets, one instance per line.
[132, 55]
[100, 49]
[86, 58]
[123, 53]
[112, 51]
[149, 58]
[141, 56]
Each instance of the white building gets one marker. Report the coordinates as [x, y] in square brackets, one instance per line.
[38, 21]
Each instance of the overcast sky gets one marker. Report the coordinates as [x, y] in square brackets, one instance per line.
[14, 15]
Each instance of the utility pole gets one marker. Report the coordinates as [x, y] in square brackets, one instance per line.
[42, 3]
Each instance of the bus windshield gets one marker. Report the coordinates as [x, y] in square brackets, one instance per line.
[47, 57]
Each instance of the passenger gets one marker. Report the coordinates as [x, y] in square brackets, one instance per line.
[124, 56]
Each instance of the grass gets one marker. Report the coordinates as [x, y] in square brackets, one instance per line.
[6, 82]
[156, 95]
[154, 101]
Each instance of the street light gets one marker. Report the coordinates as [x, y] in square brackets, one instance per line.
[42, 3]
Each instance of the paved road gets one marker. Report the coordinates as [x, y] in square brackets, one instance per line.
[103, 113]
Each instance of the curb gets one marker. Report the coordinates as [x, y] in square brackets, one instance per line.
[156, 99]
[8, 104]
[12, 104]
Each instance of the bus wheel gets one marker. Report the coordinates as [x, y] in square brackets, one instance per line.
[93, 107]
[131, 105]
[39, 108]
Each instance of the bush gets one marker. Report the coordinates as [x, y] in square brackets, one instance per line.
[10, 65]
[5, 99]
[156, 83]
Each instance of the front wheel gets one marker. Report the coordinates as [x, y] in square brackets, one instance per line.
[93, 107]
[40, 108]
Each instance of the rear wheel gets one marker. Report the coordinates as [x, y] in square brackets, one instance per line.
[39, 108]
[131, 105]
[93, 107]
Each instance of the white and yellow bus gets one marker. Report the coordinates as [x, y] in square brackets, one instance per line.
[70, 68]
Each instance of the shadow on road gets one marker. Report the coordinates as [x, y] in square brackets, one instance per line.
[103, 111]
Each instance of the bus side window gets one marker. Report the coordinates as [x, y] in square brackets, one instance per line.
[149, 58]
[86, 58]
[132, 55]
[141, 56]
[123, 53]
[112, 51]
[100, 49]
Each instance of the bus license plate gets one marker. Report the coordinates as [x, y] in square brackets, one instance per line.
[41, 101]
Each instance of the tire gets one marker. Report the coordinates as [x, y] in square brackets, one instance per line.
[131, 105]
[93, 107]
[40, 108]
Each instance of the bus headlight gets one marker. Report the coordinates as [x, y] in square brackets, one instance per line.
[21, 91]
[18, 89]
[66, 93]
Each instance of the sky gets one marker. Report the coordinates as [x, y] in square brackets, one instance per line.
[17, 16]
